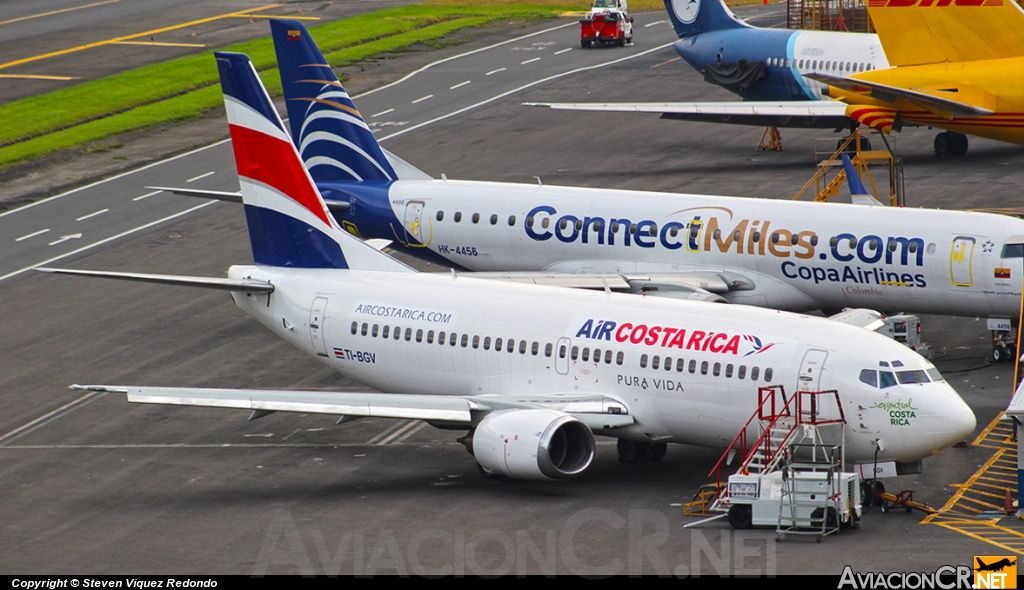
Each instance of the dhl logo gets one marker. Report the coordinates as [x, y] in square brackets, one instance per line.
[935, 3]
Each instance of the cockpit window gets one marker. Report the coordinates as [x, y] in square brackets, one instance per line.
[935, 374]
[870, 377]
[1013, 251]
[898, 363]
[886, 379]
[883, 364]
[906, 377]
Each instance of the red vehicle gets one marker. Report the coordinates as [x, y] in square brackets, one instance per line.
[606, 27]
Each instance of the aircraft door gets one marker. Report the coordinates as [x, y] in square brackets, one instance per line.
[562, 356]
[960, 261]
[810, 370]
[317, 312]
[414, 222]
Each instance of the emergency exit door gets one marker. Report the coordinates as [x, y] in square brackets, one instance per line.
[960, 261]
[317, 312]
[414, 222]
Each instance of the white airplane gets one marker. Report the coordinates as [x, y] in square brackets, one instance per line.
[780, 254]
[531, 372]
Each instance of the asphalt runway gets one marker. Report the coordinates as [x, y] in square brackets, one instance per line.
[93, 484]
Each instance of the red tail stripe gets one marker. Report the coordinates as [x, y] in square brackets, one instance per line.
[273, 162]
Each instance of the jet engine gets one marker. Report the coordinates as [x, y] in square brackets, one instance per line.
[532, 444]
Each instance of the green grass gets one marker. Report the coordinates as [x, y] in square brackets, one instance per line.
[185, 88]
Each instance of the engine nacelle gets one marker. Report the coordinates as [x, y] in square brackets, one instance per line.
[533, 444]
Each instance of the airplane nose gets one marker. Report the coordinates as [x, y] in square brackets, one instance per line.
[951, 421]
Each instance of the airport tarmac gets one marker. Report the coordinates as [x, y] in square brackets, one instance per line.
[93, 484]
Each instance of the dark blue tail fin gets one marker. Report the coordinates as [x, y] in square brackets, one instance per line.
[333, 139]
[690, 17]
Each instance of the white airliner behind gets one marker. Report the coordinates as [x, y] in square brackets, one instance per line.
[532, 372]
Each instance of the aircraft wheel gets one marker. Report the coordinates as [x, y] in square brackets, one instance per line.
[999, 354]
[658, 451]
[949, 143]
[631, 451]
[740, 517]
[959, 143]
[941, 144]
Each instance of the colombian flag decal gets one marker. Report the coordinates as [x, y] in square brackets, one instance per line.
[1002, 273]
[294, 35]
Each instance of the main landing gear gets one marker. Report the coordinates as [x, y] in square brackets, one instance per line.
[631, 451]
[950, 143]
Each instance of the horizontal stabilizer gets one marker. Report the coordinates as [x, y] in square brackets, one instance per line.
[819, 114]
[890, 94]
[334, 206]
[236, 285]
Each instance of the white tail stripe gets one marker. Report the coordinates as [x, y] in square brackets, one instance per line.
[265, 196]
[333, 114]
[325, 136]
[243, 115]
[326, 161]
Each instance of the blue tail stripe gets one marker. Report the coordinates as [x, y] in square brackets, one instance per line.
[856, 185]
[281, 240]
[317, 103]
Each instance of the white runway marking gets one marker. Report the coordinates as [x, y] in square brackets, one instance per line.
[32, 235]
[563, 51]
[400, 432]
[393, 428]
[100, 212]
[523, 63]
[211, 173]
[146, 196]
[459, 85]
[657, 22]
[495, 71]
[50, 417]
[382, 113]
[429, 96]
[65, 238]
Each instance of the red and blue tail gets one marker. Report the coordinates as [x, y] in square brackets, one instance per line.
[332, 137]
[289, 224]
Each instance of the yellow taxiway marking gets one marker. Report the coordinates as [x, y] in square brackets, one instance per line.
[31, 16]
[135, 36]
[159, 44]
[38, 77]
[245, 15]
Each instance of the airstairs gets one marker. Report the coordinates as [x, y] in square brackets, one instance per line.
[796, 461]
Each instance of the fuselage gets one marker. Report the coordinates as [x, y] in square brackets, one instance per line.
[993, 84]
[787, 55]
[689, 372]
[799, 256]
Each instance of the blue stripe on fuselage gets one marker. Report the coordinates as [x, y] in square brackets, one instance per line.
[753, 45]
[371, 215]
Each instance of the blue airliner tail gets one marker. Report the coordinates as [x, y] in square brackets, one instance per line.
[857, 188]
[691, 17]
[289, 223]
[333, 139]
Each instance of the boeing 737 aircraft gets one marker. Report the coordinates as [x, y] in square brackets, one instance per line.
[767, 67]
[779, 254]
[531, 372]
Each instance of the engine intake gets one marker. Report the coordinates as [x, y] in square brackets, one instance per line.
[533, 444]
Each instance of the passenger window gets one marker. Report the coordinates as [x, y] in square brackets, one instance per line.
[398, 333]
[476, 218]
[465, 340]
[522, 347]
[487, 343]
[704, 368]
[458, 216]
[453, 339]
[547, 350]
[364, 329]
[535, 349]
[886, 379]
[419, 335]
[597, 355]
[608, 357]
[386, 332]
[643, 361]
[742, 373]
[375, 330]
[545, 222]
[668, 363]
[430, 337]
[655, 361]
[511, 220]
[586, 355]
[693, 367]
[440, 215]
[869, 377]
[476, 342]
[768, 375]
[574, 353]
[679, 365]
[728, 371]
[355, 328]
[408, 334]
[717, 369]
[510, 345]
[494, 220]
[440, 338]
[561, 351]
[754, 372]
[497, 345]
[619, 357]
[529, 221]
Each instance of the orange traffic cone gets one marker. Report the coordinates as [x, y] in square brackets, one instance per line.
[1008, 503]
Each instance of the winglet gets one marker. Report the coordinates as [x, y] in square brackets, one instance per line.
[859, 195]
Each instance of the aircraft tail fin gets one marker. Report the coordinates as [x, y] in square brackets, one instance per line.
[859, 194]
[966, 30]
[690, 17]
[289, 224]
[329, 132]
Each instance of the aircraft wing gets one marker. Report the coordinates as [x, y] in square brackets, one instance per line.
[702, 285]
[822, 114]
[596, 411]
[890, 94]
[236, 285]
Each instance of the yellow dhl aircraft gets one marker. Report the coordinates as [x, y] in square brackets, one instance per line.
[957, 65]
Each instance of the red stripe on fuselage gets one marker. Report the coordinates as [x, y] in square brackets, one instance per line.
[273, 162]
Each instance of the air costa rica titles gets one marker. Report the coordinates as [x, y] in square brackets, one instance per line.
[671, 337]
[863, 260]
